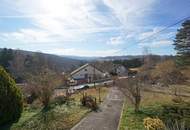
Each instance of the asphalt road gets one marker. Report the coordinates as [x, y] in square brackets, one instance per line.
[108, 116]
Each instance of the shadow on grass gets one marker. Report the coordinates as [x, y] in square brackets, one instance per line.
[6, 126]
[18, 125]
[150, 111]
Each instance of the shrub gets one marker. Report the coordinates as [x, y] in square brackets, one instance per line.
[11, 101]
[167, 73]
[43, 84]
[31, 98]
[59, 100]
[177, 99]
[177, 113]
[90, 102]
[153, 124]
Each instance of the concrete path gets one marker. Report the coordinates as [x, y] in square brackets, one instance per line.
[108, 116]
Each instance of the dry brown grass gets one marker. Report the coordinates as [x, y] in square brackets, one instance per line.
[151, 98]
[181, 90]
[186, 72]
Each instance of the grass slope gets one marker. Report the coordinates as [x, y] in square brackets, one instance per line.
[150, 107]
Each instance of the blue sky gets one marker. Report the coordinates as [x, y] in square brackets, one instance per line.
[90, 27]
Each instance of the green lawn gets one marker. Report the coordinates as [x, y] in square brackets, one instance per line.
[57, 117]
[134, 121]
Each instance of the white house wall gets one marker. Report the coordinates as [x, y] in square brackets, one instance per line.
[121, 70]
[87, 70]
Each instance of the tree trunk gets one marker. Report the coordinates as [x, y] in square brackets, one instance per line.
[137, 103]
[137, 106]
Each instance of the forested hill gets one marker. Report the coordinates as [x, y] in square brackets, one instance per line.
[18, 62]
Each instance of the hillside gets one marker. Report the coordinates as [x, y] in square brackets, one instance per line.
[18, 62]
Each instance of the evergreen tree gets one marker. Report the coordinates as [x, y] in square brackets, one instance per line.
[182, 44]
[11, 101]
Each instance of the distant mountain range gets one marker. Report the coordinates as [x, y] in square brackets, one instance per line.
[107, 58]
[111, 58]
[68, 63]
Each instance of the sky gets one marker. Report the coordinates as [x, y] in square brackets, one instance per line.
[91, 27]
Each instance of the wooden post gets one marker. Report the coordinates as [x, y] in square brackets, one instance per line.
[99, 94]
[94, 77]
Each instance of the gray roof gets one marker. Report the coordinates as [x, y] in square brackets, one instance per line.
[82, 67]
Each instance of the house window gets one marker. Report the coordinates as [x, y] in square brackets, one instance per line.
[86, 76]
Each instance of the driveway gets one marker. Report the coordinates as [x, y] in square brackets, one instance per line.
[108, 116]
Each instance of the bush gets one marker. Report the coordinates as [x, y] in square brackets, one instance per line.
[153, 124]
[59, 100]
[177, 113]
[167, 73]
[11, 101]
[90, 102]
[31, 98]
[177, 99]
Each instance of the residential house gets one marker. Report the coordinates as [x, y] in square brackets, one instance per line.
[121, 70]
[87, 74]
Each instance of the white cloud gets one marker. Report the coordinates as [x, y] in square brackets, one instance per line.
[43, 36]
[60, 15]
[115, 41]
[154, 39]
[149, 33]
[68, 19]
[130, 12]
[73, 51]
[27, 35]
[162, 43]
[157, 43]
[74, 20]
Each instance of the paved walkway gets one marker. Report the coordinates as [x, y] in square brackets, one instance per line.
[108, 116]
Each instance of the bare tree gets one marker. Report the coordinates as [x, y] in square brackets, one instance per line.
[43, 85]
[17, 66]
[66, 84]
[131, 88]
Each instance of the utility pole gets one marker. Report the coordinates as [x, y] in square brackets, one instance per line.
[99, 89]
[94, 76]
[99, 94]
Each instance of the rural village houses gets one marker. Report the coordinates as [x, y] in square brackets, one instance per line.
[89, 73]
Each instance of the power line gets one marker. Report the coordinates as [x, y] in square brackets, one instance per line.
[169, 26]
[162, 30]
